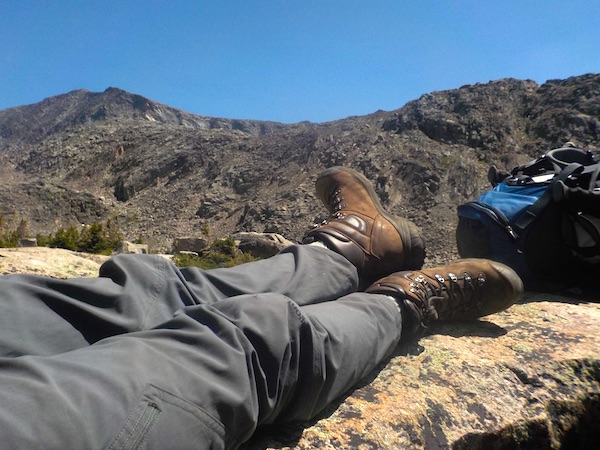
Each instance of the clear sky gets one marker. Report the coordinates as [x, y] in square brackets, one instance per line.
[288, 61]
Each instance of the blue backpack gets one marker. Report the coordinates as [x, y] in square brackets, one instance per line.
[541, 218]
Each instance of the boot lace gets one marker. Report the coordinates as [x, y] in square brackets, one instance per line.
[447, 296]
[335, 199]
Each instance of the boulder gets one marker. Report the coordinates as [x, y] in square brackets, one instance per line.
[189, 244]
[27, 242]
[130, 247]
[261, 245]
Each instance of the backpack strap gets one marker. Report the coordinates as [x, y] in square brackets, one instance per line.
[594, 178]
[562, 157]
[585, 199]
[590, 227]
[552, 162]
[539, 166]
[535, 210]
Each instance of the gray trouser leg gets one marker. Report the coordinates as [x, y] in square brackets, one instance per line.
[204, 379]
[45, 316]
[211, 359]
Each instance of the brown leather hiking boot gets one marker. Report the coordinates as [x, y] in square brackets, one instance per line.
[462, 290]
[359, 229]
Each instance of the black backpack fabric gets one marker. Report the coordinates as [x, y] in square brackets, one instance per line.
[541, 218]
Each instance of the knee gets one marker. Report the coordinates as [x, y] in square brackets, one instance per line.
[264, 314]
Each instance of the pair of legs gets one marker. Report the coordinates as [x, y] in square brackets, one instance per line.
[153, 355]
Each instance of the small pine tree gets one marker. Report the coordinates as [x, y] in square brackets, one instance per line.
[67, 239]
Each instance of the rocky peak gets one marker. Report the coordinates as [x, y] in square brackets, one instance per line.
[31, 124]
[485, 116]
[567, 109]
[492, 116]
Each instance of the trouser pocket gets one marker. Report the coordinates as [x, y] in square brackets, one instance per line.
[163, 420]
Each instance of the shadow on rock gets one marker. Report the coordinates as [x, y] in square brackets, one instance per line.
[570, 425]
[479, 328]
[572, 296]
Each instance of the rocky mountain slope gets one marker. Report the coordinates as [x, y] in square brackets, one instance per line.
[162, 173]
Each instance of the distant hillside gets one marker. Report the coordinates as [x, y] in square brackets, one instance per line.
[33, 123]
[162, 172]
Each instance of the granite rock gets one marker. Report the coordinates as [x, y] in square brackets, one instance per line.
[528, 377]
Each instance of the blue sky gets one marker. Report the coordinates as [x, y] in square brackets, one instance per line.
[288, 61]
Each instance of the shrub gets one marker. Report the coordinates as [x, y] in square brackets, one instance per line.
[10, 238]
[94, 238]
[221, 253]
[98, 238]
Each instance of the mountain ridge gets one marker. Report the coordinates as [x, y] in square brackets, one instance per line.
[64, 111]
[162, 173]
